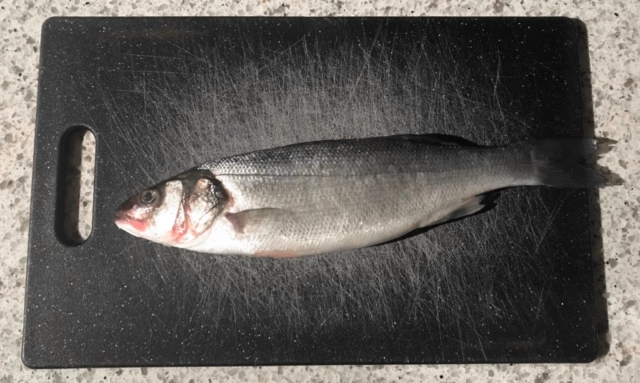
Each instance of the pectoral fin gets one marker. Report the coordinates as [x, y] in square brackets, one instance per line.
[248, 220]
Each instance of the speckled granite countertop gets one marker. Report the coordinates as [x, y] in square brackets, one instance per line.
[614, 49]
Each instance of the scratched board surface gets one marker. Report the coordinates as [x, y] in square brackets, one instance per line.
[514, 284]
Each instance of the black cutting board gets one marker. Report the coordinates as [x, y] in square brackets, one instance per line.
[514, 284]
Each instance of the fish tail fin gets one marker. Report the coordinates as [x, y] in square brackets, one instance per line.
[564, 162]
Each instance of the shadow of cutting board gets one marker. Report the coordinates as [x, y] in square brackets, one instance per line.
[514, 284]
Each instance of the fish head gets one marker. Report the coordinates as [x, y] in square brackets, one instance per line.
[175, 212]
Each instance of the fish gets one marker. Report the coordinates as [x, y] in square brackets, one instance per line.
[329, 196]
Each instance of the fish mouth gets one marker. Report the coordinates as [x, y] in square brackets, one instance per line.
[127, 223]
[130, 225]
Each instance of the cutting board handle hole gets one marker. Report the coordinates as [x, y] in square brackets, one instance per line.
[74, 200]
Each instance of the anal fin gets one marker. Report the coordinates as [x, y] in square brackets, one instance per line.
[470, 206]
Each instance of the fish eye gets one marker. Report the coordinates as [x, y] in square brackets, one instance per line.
[148, 197]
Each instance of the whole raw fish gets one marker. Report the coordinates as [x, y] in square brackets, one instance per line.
[328, 196]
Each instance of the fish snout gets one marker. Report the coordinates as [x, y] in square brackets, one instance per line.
[123, 213]
[125, 219]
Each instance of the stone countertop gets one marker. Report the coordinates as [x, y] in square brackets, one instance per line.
[613, 29]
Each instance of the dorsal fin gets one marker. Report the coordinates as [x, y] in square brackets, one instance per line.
[435, 139]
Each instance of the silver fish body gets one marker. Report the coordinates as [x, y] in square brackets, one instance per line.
[329, 196]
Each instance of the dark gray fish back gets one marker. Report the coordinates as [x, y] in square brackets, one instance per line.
[344, 158]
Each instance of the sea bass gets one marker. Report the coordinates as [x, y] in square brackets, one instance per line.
[334, 195]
